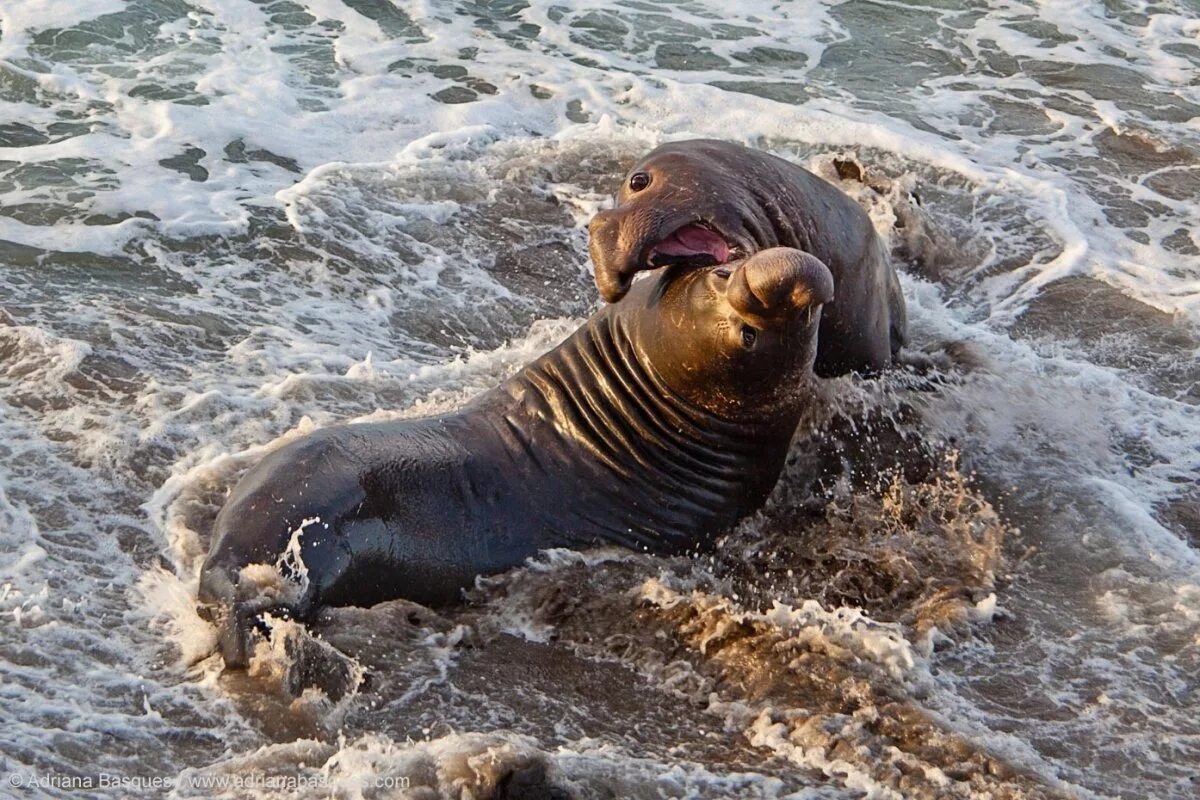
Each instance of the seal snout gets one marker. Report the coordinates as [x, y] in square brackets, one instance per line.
[775, 283]
[627, 240]
[614, 255]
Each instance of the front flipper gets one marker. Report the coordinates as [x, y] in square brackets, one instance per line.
[239, 604]
[239, 626]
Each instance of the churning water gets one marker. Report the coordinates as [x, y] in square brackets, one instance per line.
[225, 222]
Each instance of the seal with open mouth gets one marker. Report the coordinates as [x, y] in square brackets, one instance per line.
[657, 425]
[705, 202]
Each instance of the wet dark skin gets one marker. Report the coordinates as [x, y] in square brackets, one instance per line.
[753, 201]
[657, 425]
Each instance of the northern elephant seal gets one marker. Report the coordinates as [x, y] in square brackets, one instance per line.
[704, 202]
[657, 425]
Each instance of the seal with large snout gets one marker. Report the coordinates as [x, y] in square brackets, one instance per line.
[705, 202]
[657, 425]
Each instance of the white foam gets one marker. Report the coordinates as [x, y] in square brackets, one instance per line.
[377, 117]
[37, 356]
[843, 628]
[777, 736]
[17, 19]
[320, 336]
[170, 606]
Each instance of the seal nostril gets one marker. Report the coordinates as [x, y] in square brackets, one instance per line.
[639, 181]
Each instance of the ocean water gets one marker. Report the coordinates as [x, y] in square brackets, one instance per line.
[226, 222]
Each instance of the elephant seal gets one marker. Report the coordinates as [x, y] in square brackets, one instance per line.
[706, 202]
[657, 425]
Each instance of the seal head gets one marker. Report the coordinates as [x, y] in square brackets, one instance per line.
[738, 338]
[705, 203]
[672, 209]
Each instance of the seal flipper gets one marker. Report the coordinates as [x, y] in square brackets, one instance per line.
[310, 662]
[271, 551]
[237, 629]
[217, 602]
[238, 609]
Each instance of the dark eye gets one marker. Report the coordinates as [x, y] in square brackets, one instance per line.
[638, 181]
[749, 336]
[721, 272]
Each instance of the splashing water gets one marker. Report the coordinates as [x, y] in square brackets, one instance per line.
[224, 223]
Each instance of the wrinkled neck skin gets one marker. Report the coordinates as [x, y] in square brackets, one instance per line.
[666, 474]
[722, 407]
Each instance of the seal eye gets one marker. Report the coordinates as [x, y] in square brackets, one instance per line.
[749, 336]
[721, 272]
[638, 181]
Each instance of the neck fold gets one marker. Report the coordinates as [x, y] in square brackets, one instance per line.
[681, 471]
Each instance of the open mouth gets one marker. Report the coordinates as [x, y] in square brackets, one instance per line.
[694, 244]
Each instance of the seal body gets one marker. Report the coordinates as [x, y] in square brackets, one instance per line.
[657, 425]
[707, 202]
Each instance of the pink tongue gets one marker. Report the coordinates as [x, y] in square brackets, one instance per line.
[692, 240]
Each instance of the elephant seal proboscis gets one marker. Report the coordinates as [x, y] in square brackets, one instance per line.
[705, 202]
[657, 425]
